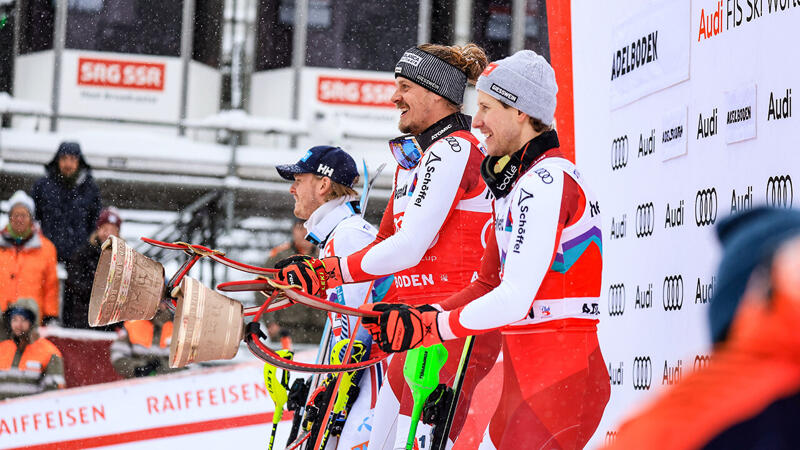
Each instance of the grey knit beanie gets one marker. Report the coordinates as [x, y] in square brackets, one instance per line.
[524, 81]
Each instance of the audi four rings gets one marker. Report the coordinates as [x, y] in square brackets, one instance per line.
[642, 375]
[645, 220]
[780, 192]
[616, 299]
[672, 293]
[619, 152]
[705, 207]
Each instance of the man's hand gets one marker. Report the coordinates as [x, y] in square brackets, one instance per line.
[402, 327]
[312, 275]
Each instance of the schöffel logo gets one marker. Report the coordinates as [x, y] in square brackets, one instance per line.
[705, 207]
[645, 219]
[616, 299]
[642, 375]
[780, 192]
[701, 362]
[672, 293]
[619, 152]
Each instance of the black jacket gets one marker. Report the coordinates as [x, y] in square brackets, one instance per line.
[78, 287]
[67, 209]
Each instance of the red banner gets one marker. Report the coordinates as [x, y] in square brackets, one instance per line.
[121, 74]
[354, 91]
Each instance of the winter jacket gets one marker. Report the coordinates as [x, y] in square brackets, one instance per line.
[78, 287]
[29, 270]
[67, 209]
[29, 365]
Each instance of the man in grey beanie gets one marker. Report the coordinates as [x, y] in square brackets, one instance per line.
[540, 277]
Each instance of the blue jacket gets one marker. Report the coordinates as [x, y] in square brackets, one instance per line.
[67, 209]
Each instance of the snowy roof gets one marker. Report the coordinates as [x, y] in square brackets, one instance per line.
[9, 104]
[239, 120]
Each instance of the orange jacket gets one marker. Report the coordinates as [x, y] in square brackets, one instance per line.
[38, 368]
[29, 270]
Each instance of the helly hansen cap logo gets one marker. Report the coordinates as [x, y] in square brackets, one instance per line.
[325, 170]
[503, 92]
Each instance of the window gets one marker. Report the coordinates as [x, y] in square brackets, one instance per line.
[146, 27]
[492, 27]
[207, 39]
[37, 19]
[350, 34]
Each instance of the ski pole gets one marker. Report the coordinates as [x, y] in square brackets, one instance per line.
[277, 391]
[421, 371]
[458, 383]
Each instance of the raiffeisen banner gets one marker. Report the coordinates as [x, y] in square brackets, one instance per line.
[225, 406]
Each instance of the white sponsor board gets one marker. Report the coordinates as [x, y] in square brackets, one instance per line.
[650, 50]
[191, 407]
[659, 216]
[740, 113]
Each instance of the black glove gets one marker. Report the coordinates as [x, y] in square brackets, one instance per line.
[148, 369]
[435, 410]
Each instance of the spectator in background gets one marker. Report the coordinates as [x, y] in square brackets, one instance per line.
[81, 268]
[297, 246]
[27, 260]
[142, 349]
[748, 397]
[29, 364]
[307, 322]
[67, 200]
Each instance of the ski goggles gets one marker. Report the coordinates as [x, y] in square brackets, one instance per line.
[406, 151]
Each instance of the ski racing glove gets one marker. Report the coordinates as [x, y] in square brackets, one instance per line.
[312, 275]
[402, 327]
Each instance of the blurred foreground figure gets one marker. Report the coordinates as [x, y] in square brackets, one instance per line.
[749, 395]
[28, 364]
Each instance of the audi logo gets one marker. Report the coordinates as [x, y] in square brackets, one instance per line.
[645, 220]
[701, 362]
[619, 153]
[616, 299]
[780, 192]
[705, 207]
[672, 293]
[642, 373]
[611, 437]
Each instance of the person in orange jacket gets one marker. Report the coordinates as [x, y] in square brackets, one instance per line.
[27, 260]
[142, 349]
[748, 397]
[29, 364]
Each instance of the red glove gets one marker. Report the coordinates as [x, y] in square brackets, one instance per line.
[402, 327]
[312, 275]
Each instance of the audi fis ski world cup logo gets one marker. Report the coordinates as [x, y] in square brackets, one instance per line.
[645, 220]
[701, 362]
[672, 293]
[780, 192]
[705, 207]
[616, 299]
[642, 376]
[619, 152]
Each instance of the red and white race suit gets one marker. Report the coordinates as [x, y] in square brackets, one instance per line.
[431, 237]
[540, 284]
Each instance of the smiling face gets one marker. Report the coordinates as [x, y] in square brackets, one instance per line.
[503, 126]
[419, 107]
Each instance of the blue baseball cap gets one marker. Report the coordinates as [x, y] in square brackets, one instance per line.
[323, 160]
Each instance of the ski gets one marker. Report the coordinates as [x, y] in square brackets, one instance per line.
[458, 383]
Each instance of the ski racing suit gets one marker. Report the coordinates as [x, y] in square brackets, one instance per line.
[540, 285]
[338, 229]
[431, 236]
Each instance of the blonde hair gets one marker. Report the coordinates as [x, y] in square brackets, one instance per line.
[469, 58]
[339, 190]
